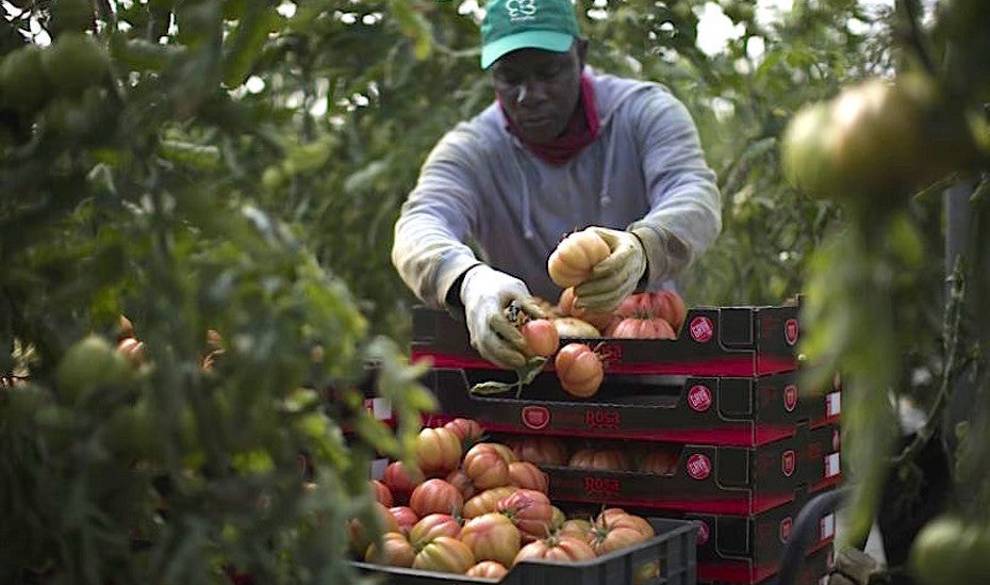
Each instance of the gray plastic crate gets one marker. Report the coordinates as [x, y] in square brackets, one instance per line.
[674, 546]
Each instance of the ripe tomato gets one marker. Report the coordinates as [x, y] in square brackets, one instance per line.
[605, 539]
[382, 493]
[394, 552]
[485, 466]
[619, 518]
[577, 528]
[446, 555]
[125, 328]
[463, 483]
[467, 430]
[566, 307]
[659, 462]
[600, 459]
[574, 328]
[404, 517]
[492, 537]
[557, 519]
[401, 481]
[360, 537]
[433, 526]
[664, 304]
[438, 451]
[527, 476]
[571, 262]
[530, 511]
[435, 496]
[507, 455]
[540, 450]
[488, 570]
[487, 501]
[633, 328]
[579, 370]
[556, 548]
[541, 337]
[132, 349]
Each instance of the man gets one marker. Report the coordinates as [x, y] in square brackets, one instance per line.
[562, 148]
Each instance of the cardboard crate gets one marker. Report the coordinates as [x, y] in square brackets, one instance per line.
[750, 547]
[714, 341]
[814, 571]
[711, 479]
[745, 412]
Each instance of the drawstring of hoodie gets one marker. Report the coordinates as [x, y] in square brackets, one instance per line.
[527, 214]
[604, 198]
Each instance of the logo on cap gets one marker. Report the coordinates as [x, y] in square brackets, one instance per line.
[521, 9]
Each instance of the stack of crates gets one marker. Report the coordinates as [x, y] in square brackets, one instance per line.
[722, 403]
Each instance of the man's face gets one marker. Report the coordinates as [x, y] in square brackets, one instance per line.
[539, 89]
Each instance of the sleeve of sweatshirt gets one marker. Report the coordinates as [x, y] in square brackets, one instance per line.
[685, 213]
[438, 217]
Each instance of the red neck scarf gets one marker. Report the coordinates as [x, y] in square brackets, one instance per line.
[575, 136]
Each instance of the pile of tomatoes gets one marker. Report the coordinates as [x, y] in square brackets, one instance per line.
[477, 508]
[648, 315]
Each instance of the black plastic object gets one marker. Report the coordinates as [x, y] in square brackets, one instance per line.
[804, 530]
[673, 547]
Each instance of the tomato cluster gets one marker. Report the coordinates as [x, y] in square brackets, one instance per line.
[655, 315]
[481, 510]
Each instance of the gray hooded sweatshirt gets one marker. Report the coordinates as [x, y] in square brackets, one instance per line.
[645, 172]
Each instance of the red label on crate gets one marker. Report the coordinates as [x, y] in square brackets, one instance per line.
[788, 461]
[702, 329]
[699, 466]
[601, 486]
[790, 397]
[602, 419]
[699, 398]
[791, 331]
[535, 417]
[704, 533]
[785, 528]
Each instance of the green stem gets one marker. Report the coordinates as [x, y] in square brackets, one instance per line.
[953, 318]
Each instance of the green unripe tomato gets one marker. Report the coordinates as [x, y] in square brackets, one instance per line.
[806, 152]
[75, 62]
[949, 550]
[90, 363]
[273, 178]
[22, 88]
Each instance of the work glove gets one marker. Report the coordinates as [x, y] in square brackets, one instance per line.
[486, 293]
[617, 276]
[854, 567]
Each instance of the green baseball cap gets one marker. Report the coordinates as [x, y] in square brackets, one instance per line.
[526, 24]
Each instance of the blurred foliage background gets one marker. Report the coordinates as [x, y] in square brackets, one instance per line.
[239, 165]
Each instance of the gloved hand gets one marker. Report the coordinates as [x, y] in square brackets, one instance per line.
[615, 277]
[854, 567]
[486, 293]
